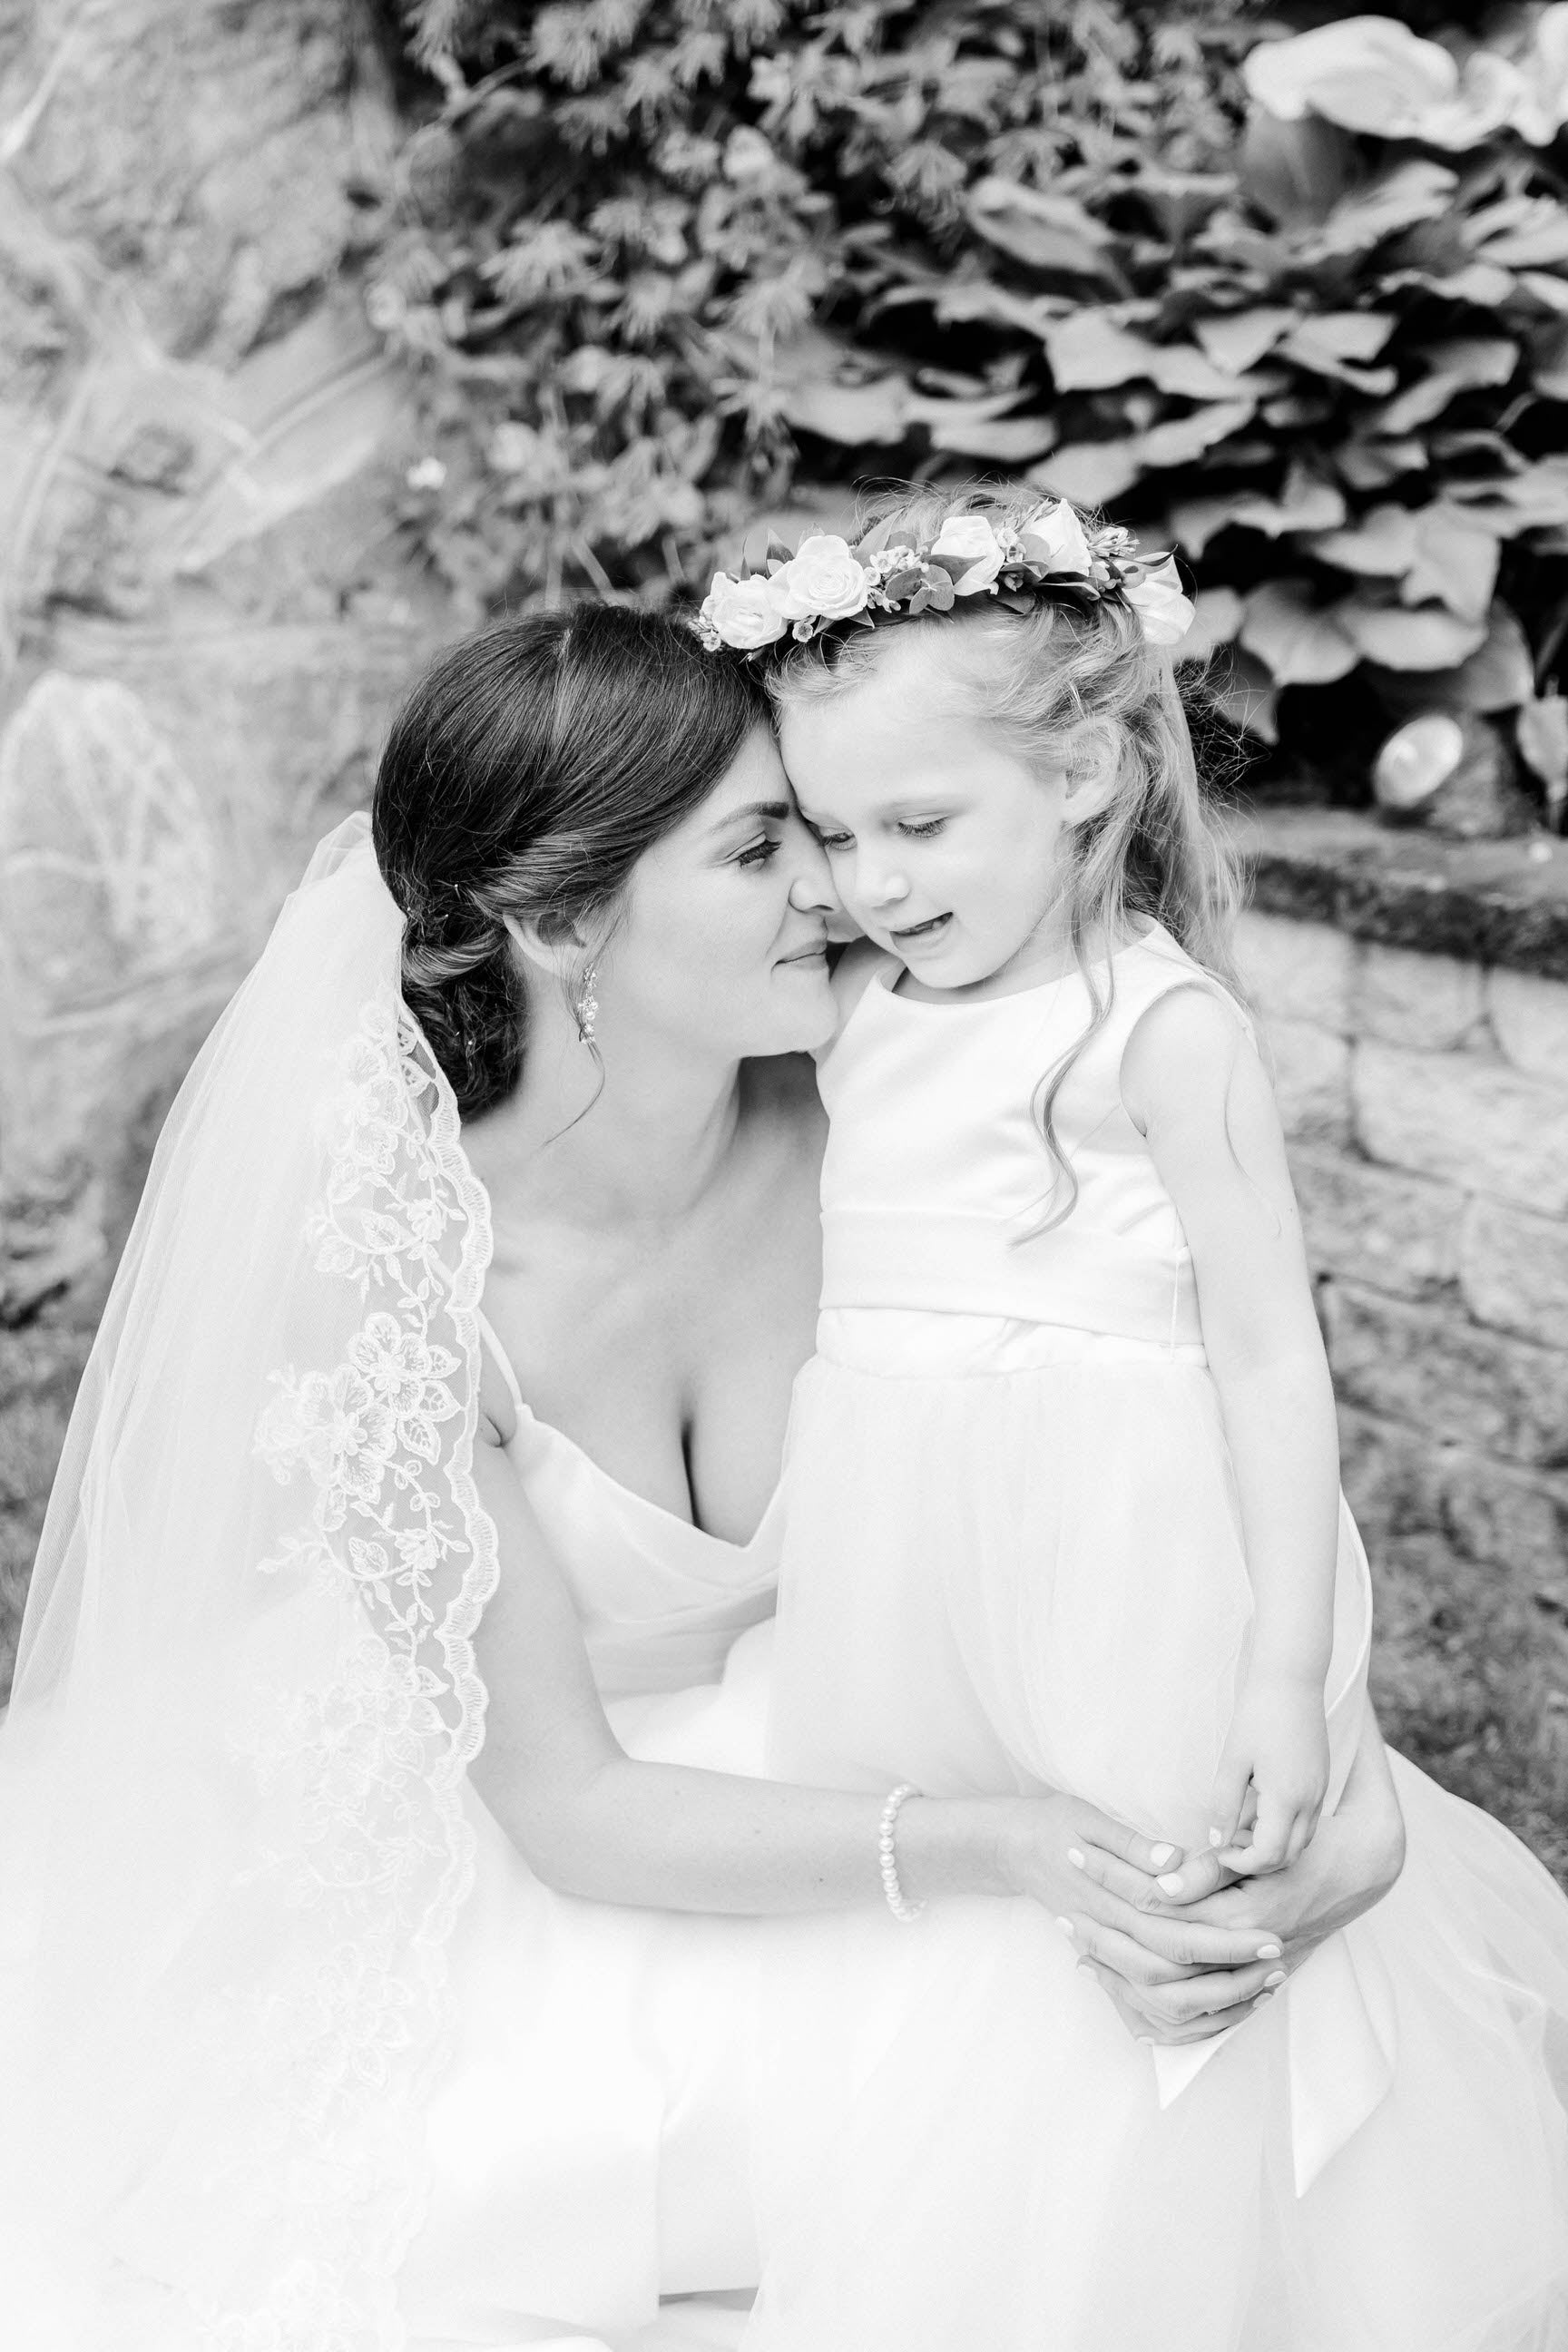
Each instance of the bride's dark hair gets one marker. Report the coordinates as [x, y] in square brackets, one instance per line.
[525, 775]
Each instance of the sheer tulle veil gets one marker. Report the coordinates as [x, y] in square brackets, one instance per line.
[230, 1783]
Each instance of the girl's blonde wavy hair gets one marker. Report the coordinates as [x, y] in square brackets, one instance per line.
[1075, 685]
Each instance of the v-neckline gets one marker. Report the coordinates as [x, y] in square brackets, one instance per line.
[644, 1502]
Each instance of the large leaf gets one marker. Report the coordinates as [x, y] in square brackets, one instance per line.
[1216, 619]
[1300, 641]
[1465, 364]
[1499, 675]
[1398, 638]
[1090, 473]
[1185, 438]
[1414, 191]
[1294, 173]
[1381, 544]
[1045, 230]
[1239, 338]
[1337, 343]
[1456, 562]
[1004, 440]
[853, 414]
[1089, 351]
[1306, 503]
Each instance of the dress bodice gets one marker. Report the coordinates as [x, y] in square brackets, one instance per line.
[938, 1191]
[660, 1600]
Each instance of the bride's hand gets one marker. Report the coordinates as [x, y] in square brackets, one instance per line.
[1351, 1861]
[1100, 1882]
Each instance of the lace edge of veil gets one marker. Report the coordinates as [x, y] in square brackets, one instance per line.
[366, 1771]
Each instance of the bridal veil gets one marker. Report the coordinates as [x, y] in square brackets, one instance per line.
[231, 1842]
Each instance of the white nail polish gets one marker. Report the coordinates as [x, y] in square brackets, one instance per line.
[1170, 1882]
[1075, 1857]
[1216, 1837]
[1270, 1952]
[1160, 1854]
[1066, 1926]
[1276, 1978]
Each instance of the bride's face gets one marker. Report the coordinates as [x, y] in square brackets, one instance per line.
[723, 937]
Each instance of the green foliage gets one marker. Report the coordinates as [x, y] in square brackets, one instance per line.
[674, 262]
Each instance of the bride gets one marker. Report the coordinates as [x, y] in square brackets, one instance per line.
[387, 1864]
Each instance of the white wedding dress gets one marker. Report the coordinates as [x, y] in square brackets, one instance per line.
[592, 2138]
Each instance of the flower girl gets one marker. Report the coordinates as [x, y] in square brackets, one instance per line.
[1064, 1510]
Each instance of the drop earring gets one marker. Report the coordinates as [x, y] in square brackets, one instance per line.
[586, 1005]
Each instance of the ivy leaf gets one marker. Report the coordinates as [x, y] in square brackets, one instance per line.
[1239, 339]
[1338, 343]
[1217, 615]
[1401, 639]
[1383, 543]
[1045, 230]
[1090, 351]
[1185, 438]
[1415, 191]
[1306, 503]
[851, 413]
[1301, 642]
[1090, 473]
[1004, 440]
[1456, 562]
[1459, 366]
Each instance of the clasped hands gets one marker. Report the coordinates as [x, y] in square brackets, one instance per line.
[1183, 1949]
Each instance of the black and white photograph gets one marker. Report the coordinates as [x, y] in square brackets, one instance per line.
[783, 1176]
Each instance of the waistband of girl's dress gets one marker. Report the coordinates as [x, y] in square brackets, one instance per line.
[1074, 1275]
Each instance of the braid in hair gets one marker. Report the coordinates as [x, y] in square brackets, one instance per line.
[461, 985]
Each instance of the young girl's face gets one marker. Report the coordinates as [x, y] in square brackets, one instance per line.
[943, 845]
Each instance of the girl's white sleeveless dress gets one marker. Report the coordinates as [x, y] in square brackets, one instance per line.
[1013, 1560]
[591, 2140]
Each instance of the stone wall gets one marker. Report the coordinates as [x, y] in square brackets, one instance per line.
[205, 614]
[1426, 1100]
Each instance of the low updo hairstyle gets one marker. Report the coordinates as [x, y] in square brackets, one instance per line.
[526, 774]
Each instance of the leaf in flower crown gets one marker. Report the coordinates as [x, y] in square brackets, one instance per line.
[955, 566]
[1016, 600]
[871, 543]
[940, 592]
[902, 584]
[777, 551]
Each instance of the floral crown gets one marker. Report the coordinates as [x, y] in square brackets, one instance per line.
[1047, 553]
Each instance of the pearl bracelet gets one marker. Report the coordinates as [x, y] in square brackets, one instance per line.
[887, 1859]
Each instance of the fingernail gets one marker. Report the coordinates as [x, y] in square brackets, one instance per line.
[1172, 1883]
[1261, 1998]
[1066, 1926]
[1216, 1837]
[1270, 1952]
[1160, 1854]
[1075, 1857]
[1276, 1978]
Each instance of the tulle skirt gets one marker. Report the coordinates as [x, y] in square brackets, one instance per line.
[996, 1580]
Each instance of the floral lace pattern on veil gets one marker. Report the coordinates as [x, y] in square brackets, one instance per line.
[359, 1776]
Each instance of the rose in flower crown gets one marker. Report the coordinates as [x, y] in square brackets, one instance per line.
[826, 582]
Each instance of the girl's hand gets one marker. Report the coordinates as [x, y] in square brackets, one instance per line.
[1105, 1885]
[1349, 1864]
[1274, 1768]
